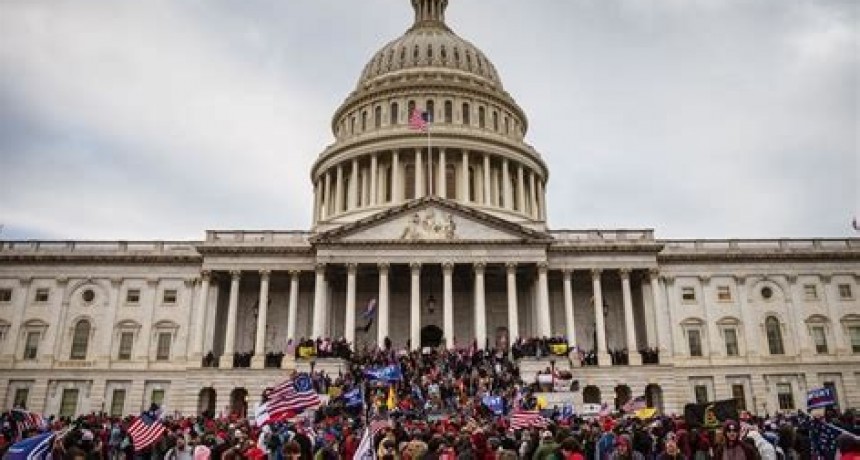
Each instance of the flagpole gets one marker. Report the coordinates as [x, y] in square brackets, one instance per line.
[429, 157]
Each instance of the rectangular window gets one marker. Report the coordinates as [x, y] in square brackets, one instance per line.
[854, 334]
[69, 403]
[738, 394]
[21, 395]
[820, 339]
[701, 394]
[694, 337]
[157, 397]
[724, 294]
[810, 292]
[126, 341]
[41, 295]
[163, 351]
[169, 296]
[731, 336]
[688, 294]
[785, 396]
[5, 295]
[132, 296]
[31, 346]
[117, 403]
[844, 292]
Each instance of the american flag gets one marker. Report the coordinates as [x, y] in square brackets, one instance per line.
[635, 404]
[26, 420]
[292, 395]
[419, 120]
[823, 438]
[145, 430]
[378, 424]
[527, 419]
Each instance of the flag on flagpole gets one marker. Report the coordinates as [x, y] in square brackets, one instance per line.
[369, 310]
[365, 447]
[35, 448]
[26, 420]
[823, 438]
[145, 430]
[635, 404]
[292, 395]
[391, 402]
[419, 120]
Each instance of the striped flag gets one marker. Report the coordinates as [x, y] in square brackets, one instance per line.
[365, 447]
[378, 424]
[26, 420]
[145, 430]
[527, 419]
[419, 120]
[292, 395]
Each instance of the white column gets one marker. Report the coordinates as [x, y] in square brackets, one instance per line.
[382, 328]
[338, 199]
[448, 304]
[795, 306]
[443, 181]
[487, 201]
[396, 186]
[543, 301]
[480, 306]
[568, 308]
[232, 312]
[349, 325]
[374, 181]
[106, 345]
[834, 310]
[751, 336]
[664, 339]
[602, 355]
[316, 208]
[353, 185]
[259, 359]
[317, 329]
[506, 185]
[633, 356]
[415, 307]
[293, 308]
[533, 193]
[464, 178]
[714, 345]
[541, 201]
[202, 310]
[513, 313]
[521, 189]
[419, 174]
[327, 198]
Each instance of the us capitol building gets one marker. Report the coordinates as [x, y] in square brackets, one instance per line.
[452, 243]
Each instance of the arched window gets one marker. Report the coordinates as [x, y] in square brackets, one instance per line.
[495, 121]
[482, 117]
[507, 126]
[431, 111]
[449, 112]
[363, 120]
[352, 125]
[377, 117]
[774, 336]
[415, 54]
[467, 114]
[450, 181]
[80, 340]
[444, 54]
[395, 110]
[429, 52]
[410, 107]
[409, 181]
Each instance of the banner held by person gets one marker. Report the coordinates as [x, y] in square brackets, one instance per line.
[712, 414]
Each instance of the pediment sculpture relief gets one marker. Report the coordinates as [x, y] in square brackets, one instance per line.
[429, 226]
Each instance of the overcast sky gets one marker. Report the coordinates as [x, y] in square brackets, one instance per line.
[161, 119]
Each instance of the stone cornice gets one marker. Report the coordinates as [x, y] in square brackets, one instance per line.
[101, 258]
[737, 257]
[254, 249]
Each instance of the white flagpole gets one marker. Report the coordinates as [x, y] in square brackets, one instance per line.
[429, 156]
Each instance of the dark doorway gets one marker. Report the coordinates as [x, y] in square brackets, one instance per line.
[431, 336]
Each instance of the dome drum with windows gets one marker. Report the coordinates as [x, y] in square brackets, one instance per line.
[473, 152]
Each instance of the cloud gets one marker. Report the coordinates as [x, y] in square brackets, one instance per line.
[163, 119]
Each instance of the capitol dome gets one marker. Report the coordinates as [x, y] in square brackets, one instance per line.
[430, 43]
[475, 153]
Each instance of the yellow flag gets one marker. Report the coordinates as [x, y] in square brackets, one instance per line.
[391, 402]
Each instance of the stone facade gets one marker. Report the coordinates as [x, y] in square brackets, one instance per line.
[449, 239]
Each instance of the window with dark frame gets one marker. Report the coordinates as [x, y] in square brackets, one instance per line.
[731, 338]
[162, 352]
[69, 402]
[739, 395]
[701, 392]
[42, 295]
[854, 335]
[80, 340]
[126, 342]
[169, 296]
[31, 345]
[688, 294]
[724, 294]
[132, 296]
[117, 403]
[844, 292]
[785, 397]
[819, 338]
[694, 339]
[21, 396]
[5, 294]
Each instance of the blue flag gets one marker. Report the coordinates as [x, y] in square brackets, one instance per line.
[820, 397]
[495, 403]
[35, 448]
[352, 397]
[389, 373]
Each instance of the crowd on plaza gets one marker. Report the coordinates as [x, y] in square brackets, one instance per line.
[444, 404]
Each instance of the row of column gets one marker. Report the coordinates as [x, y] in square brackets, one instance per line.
[365, 188]
[544, 327]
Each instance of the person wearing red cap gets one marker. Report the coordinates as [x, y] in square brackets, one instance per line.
[624, 450]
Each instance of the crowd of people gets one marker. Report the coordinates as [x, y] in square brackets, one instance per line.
[442, 404]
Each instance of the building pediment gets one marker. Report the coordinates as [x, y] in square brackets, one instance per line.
[431, 220]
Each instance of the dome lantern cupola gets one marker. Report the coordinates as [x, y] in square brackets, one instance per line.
[429, 11]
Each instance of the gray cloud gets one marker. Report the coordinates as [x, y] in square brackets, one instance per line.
[160, 120]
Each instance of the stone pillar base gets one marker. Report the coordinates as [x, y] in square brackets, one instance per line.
[288, 362]
[603, 359]
[225, 362]
[258, 362]
[635, 359]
